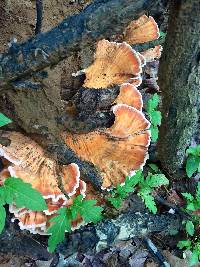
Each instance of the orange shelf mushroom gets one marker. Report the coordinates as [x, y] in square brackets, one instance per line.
[116, 151]
[152, 53]
[129, 95]
[142, 30]
[114, 63]
[24, 158]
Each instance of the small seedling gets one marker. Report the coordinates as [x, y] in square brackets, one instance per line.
[192, 243]
[145, 186]
[86, 209]
[154, 116]
[193, 160]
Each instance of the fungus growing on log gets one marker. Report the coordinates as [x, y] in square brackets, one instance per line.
[115, 151]
[129, 95]
[152, 53]
[114, 63]
[142, 30]
[106, 148]
[24, 158]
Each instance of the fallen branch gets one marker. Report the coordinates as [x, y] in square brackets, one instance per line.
[92, 24]
[90, 238]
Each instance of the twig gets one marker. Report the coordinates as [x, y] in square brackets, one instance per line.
[154, 250]
[39, 13]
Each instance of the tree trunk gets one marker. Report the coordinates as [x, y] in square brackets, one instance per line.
[179, 83]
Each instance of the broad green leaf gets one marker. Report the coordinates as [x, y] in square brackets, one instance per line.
[190, 228]
[152, 103]
[184, 244]
[115, 201]
[148, 200]
[154, 133]
[2, 218]
[23, 195]
[87, 209]
[61, 223]
[155, 117]
[157, 180]
[191, 206]
[4, 120]
[2, 196]
[195, 151]
[194, 259]
[188, 196]
[192, 165]
[154, 167]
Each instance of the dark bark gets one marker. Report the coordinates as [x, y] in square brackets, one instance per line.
[179, 83]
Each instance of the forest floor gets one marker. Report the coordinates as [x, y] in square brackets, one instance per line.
[17, 20]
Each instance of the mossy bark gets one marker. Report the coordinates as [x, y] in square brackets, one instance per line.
[179, 83]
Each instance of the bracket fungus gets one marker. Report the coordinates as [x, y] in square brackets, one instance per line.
[114, 63]
[27, 160]
[115, 152]
[152, 53]
[142, 30]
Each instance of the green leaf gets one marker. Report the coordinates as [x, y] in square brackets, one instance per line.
[2, 218]
[194, 259]
[188, 196]
[198, 191]
[190, 228]
[61, 223]
[2, 196]
[192, 164]
[195, 151]
[199, 167]
[23, 195]
[157, 180]
[154, 167]
[155, 117]
[87, 209]
[152, 103]
[148, 200]
[154, 133]
[184, 244]
[115, 201]
[121, 191]
[191, 206]
[4, 120]
[162, 34]
[135, 179]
